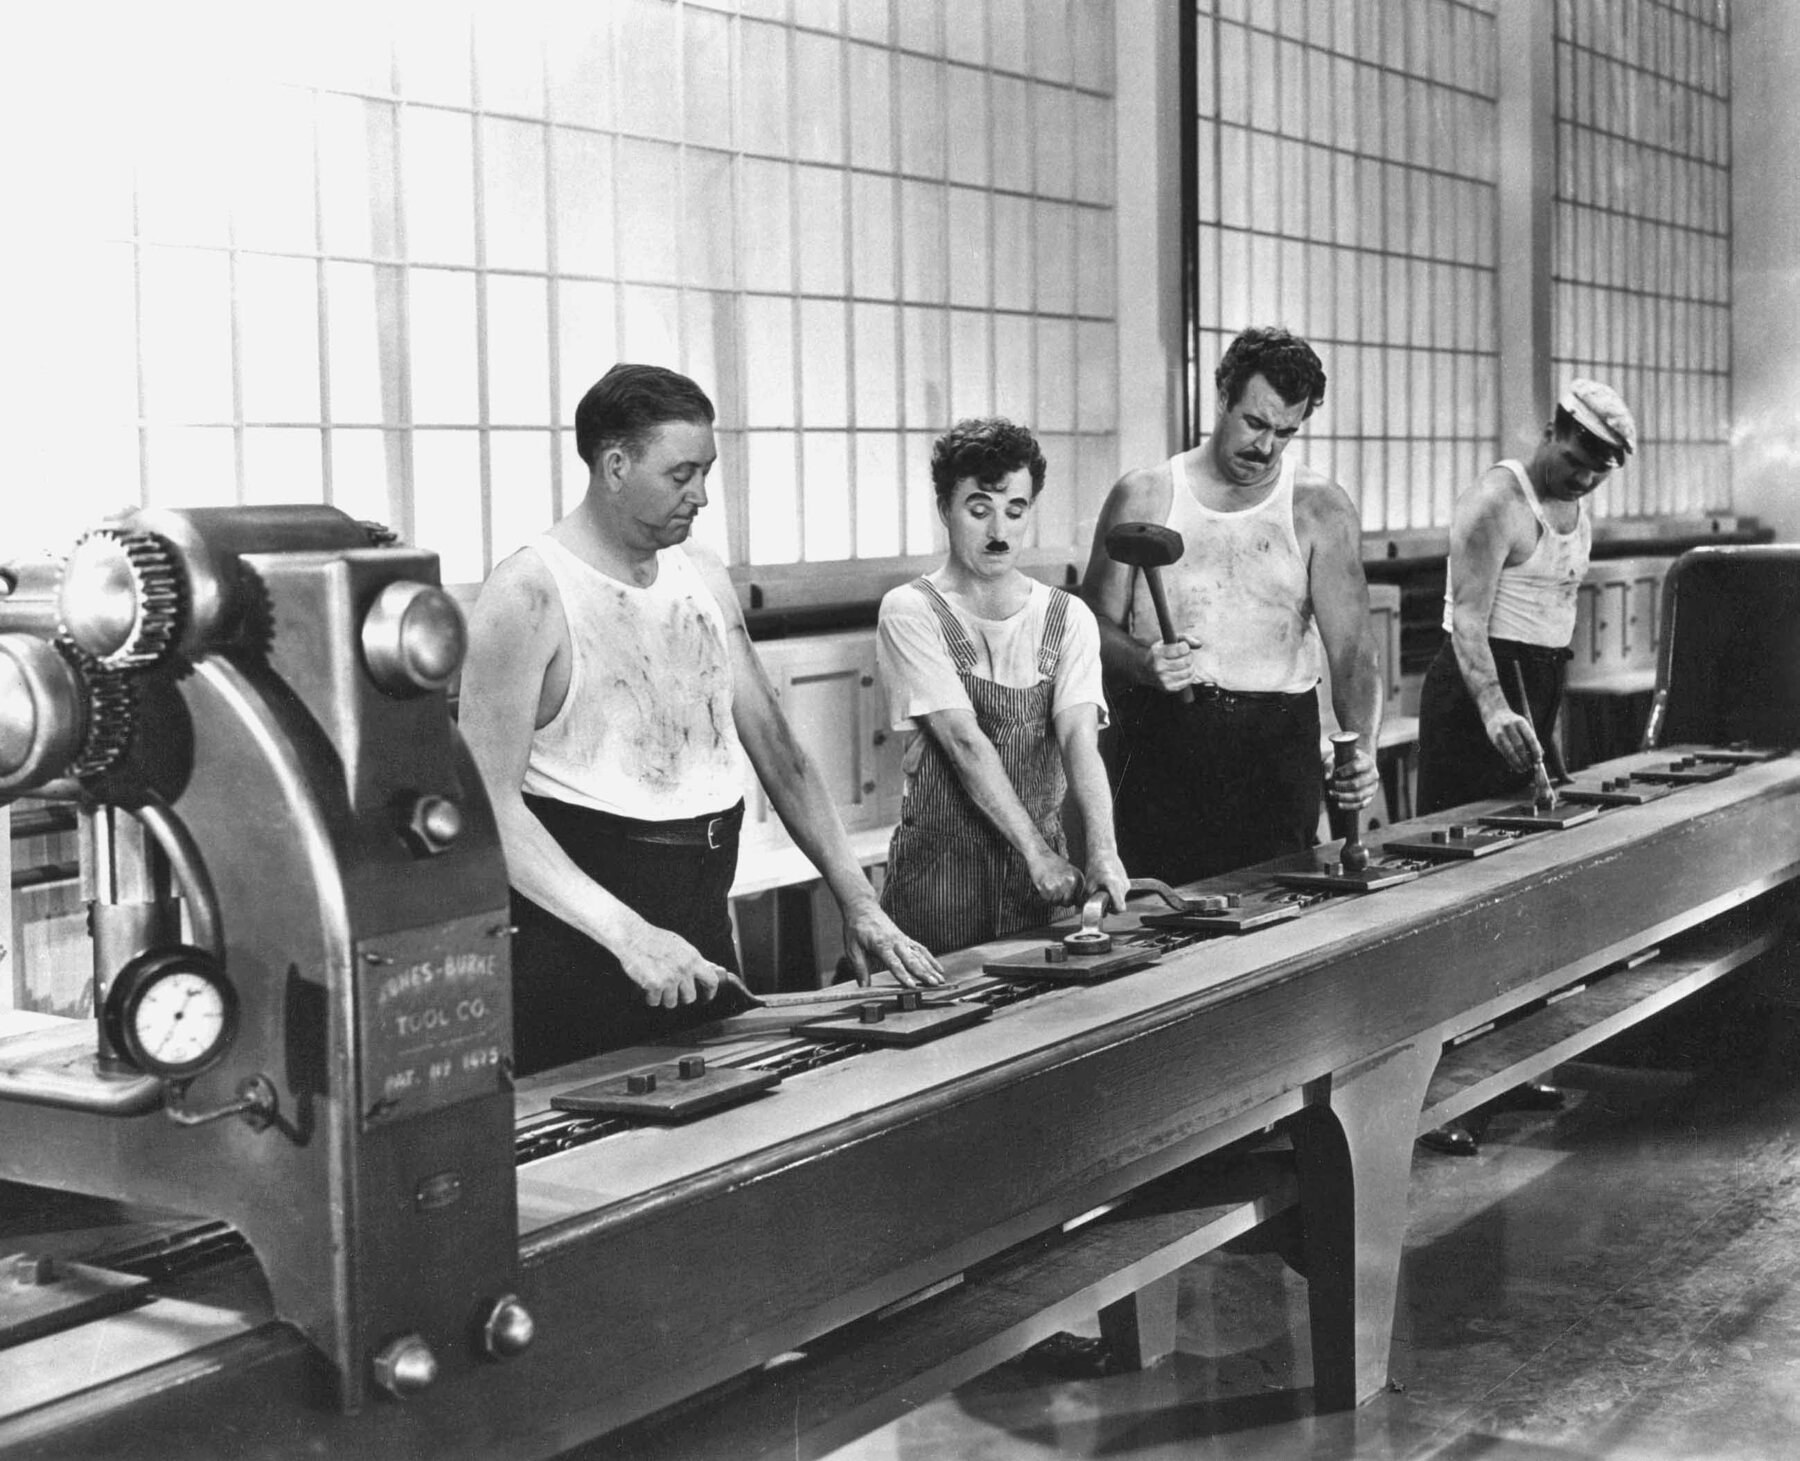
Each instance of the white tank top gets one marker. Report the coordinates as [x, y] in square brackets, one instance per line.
[1534, 602]
[1240, 592]
[645, 730]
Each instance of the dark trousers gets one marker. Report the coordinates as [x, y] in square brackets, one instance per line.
[1457, 761]
[1206, 788]
[571, 998]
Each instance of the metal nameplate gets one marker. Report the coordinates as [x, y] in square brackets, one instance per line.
[1524, 817]
[434, 1012]
[896, 1025]
[664, 1093]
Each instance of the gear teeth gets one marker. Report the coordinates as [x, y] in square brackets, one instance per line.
[111, 718]
[160, 598]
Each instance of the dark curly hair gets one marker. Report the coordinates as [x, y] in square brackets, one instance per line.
[987, 448]
[1281, 358]
[628, 403]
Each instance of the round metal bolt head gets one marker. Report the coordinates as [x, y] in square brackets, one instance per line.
[405, 1366]
[509, 1329]
[872, 1013]
[642, 1083]
[909, 999]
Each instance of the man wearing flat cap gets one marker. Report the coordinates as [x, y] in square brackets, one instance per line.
[1519, 543]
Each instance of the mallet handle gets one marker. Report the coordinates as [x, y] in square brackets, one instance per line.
[1153, 581]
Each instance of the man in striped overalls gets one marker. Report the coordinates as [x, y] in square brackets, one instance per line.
[997, 678]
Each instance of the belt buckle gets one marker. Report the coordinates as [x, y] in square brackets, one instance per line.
[712, 834]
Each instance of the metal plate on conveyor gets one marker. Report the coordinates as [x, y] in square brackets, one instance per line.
[1333, 877]
[1739, 755]
[1686, 772]
[896, 1021]
[1452, 844]
[1623, 791]
[41, 1295]
[1053, 964]
[672, 1092]
[1524, 817]
[1255, 911]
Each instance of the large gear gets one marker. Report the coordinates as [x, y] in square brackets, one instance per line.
[111, 714]
[122, 600]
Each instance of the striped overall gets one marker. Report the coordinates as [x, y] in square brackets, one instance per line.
[952, 879]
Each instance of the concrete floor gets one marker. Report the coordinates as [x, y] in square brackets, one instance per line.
[1620, 1280]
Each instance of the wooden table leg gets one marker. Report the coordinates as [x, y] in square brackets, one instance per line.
[1353, 1145]
[1140, 1328]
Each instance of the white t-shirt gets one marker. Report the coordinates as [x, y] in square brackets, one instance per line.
[916, 668]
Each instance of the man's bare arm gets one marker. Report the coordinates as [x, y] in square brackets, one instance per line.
[1078, 739]
[1331, 535]
[1141, 496]
[1490, 526]
[802, 800]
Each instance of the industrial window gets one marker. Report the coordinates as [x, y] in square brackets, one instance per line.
[1643, 237]
[1343, 176]
[328, 258]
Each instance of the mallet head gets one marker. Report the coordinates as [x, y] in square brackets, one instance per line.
[1143, 545]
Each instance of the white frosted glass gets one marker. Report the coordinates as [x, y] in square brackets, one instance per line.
[819, 100]
[763, 89]
[1053, 143]
[768, 361]
[359, 475]
[182, 167]
[774, 524]
[512, 167]
[709, 336]
[519, 488]
[971, 365]
[647, 177]
[707, 38]
[824, 393]
[918, 504]
[1097, 372]
[1011, 133]
[1053, 518]
[970, 252]
[921, 117]
[1095, 163]
[872, 235]
[518, 344]
[965, 33]
[1264, 303]
[867, 19]
[708, 238]
[878, 490]
[185, 335]
[579, 60]
[817, 14]
[819, 196]
[442, 316]
[271, 138]
[921, 25]
[1093, 43]
[1094, 245]
[651, 327]
[649, 80]
[922, 242]
[437, 167]
[347, 170]
[1006, 29]
[966, 101]
[1012, 368]
[191, 467]
[871, 106]
[765, 258]
[1055, 376]
[584, 203]
[925, 386]
[353, 325]
[1047, 27]
[436, 60]
[446, 499]
[283, 464]
[278, 338]
[1012, 252]
[1055, 253]
[509, 53]
[877, 365]
[825, 474]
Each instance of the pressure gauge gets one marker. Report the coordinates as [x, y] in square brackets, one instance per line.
[172, 1012]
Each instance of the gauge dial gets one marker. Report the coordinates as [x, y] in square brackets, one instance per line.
[172, 1011]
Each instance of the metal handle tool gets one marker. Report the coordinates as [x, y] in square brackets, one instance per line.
[1355, 856]
[1543, 795]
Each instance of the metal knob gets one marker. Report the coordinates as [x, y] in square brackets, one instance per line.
[872, 1013]
[42, 712]
[691, 1067]
[1210, 903]
[413, 638]
[1440, 836]
[640, 1083]
[435, 823]
[909, 999]
[405, 1366]
[509, 1329]
[1458, 832]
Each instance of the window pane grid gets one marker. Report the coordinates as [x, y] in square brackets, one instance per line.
[1642, 238]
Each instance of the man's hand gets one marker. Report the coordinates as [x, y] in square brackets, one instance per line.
[1170, 667]
[1056, 879]
[1515, 739]
[670, 970]
[1104, 870]
[872, 940]
[1353, 787]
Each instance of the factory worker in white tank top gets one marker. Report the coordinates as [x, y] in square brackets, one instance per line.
[1270, 575]
[995, 680]
[610, 697]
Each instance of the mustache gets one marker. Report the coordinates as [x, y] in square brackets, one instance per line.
[998, 548]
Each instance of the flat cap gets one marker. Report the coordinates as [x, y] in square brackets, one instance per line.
[1599, 409]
